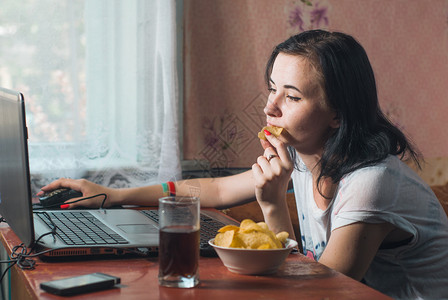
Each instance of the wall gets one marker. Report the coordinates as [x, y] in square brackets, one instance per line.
[227, 43]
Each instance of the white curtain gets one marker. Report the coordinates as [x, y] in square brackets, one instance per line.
[132, 91]
[122, 122]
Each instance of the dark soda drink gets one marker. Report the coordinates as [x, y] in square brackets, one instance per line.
[178, 251]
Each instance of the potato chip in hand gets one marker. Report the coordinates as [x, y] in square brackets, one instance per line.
[276, 131]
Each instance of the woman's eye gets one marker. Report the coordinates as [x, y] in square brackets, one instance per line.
[272, 90]
[293, 98]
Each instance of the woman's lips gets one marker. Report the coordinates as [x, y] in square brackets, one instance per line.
[270, 124]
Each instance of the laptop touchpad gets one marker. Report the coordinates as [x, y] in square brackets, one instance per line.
[138, 228]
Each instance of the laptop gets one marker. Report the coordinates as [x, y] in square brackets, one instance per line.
[121, 230]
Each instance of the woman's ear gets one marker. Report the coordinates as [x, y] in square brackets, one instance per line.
[336, 122]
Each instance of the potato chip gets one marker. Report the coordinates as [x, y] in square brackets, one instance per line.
[228, 227]
[229, 239]
[253, 240]
[282, 236]
[265, 229]
[248, 225]
[276, 131]
[263, 225]
[224, 239]
[237, 242]
[264, 246]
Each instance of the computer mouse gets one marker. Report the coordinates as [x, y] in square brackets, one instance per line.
[57, 197]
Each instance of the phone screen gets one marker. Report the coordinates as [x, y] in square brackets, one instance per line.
[77, 281]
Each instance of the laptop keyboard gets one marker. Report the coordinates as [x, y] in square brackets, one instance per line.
[209, 229]
[80, 228]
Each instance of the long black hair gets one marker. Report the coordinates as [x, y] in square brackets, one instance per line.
[365, 136]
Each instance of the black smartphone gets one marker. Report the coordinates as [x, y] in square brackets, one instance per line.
[80, 284]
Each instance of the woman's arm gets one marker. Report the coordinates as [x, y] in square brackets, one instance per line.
[351, 248]
[213, 192]
[220, 192]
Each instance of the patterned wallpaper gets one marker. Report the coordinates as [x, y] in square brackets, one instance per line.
[227, 43]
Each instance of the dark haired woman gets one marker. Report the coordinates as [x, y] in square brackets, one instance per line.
[362, 211]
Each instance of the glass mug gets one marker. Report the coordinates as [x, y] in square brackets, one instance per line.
[179, 241]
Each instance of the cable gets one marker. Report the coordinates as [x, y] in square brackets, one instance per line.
[90, 197]
[24, 259]
[20, 254]
[104, 200]
[18, 257]
[21, 258]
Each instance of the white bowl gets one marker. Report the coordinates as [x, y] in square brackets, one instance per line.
[253, 261]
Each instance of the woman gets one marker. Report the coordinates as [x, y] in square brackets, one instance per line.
[362, 211]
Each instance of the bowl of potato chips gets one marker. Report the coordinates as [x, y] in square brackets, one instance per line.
[252, 248]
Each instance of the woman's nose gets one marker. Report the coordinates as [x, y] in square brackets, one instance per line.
[271, 109]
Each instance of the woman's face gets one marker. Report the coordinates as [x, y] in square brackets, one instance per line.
[297, 103]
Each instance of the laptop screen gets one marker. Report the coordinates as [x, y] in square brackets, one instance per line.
[15, 192]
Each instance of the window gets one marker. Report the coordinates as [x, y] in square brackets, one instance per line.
[101, 88]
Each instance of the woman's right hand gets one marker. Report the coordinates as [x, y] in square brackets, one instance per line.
[87, 189]
[272, 172]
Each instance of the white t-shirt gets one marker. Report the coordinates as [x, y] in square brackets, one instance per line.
[387, 192]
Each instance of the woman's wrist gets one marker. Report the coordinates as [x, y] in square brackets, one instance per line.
[277, 210]
[116, 196]
[142, 196]
[272, 204]
[277, 216]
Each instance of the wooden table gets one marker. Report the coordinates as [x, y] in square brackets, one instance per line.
[299, 278]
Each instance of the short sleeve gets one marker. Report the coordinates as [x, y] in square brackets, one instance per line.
[367, 195]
